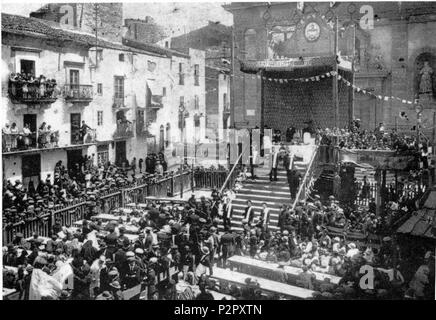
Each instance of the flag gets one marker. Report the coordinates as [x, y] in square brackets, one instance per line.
[43, 285]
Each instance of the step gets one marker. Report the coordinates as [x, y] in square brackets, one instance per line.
[266, 192]
[270, 196]
[258, 203]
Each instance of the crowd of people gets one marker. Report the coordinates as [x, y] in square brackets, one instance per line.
[27, 86]
[353, 137]
[44, 137]
[178, 246]
[82, 181]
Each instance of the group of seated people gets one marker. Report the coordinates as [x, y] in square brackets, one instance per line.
[299, 245]
[27, 86]
[178, 246]
[83, 181]
[355, 138]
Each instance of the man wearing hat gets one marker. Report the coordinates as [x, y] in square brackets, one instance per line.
[116, 292]
[227, 213]
[130, 272]
[19, 241]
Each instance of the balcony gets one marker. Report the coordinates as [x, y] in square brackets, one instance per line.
[78, 93]
[32, 92]
[156, 102]
[124, 130]
[88, 138]
[21, 143]
[119, 103]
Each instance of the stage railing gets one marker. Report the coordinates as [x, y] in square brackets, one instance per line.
[304, 189]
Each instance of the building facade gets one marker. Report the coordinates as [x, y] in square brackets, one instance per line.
[111, 101]
[390, 44]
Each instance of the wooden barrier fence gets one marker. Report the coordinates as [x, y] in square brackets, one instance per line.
[76, 210]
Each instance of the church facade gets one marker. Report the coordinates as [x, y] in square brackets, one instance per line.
[330, 63]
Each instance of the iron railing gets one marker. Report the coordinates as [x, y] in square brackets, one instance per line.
[28, 92]
[78, 92]
[124, 130]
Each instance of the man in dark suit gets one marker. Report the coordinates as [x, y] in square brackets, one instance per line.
[292, 174]
[227, 213]
[274, 164]
[249, 213]
[264, 217]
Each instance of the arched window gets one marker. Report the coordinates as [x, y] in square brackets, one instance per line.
[250, 46]
[168, 134]
[162, 138]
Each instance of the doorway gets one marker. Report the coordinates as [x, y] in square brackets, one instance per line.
[31, 169]
[75, 129]
[120, 153]
[74, 157]
[27, 67]
[30, 120]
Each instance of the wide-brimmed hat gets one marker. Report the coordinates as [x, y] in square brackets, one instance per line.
[205, 250]
[115, 284]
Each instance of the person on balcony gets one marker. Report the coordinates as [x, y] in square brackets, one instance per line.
[14, 135]
[27, 136]
[42, 135]
[83, 131]
[41, 86]
[7, 140]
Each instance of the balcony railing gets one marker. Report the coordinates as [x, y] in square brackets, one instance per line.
[124, 130]
[156, 102]
[78, 93]
[87, 138]
[118, 102]
[20, 142]
[22, 91]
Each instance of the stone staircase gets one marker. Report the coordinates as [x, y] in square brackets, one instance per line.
[262, 190]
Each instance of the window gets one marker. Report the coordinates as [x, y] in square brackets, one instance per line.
[196, 75]
[164, 92]
[74, 77]
[27, 67]
[225, 100]
[121, 57]
[224, 77]
[196, 102]
[99, 118]
[99, 54]
[100, 88]
[181, 75]
[166, 44]
[119, 87]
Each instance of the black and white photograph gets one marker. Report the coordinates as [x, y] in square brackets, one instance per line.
[218, 151]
